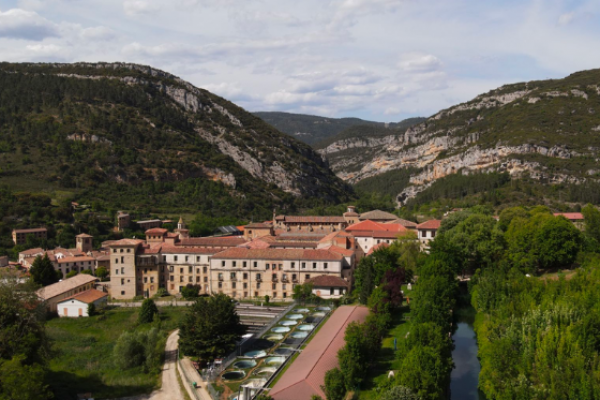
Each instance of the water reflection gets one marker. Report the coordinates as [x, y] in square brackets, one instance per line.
[465, 375]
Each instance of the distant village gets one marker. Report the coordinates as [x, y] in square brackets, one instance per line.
[253, 261]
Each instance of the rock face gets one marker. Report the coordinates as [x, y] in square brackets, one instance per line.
[545, 129]
[256, 147]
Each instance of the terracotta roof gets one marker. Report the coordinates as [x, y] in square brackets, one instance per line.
[314, 220]
[431, 224]
[378, 215]
[328, 281]
[306, 374]
[84, 235]
[297, 236]
[75, 259]
[232, 241]
[126, 242]
[571, 216]
[258, 243]
[156, 231]
[89, 296]
[340, 250]
[166, 249]
[368, 226]
[278, 254]
[64, 286]
[378, 234]
[29, 230]
[258, 225]
[32, 252]
[405, 223]
[282, 243]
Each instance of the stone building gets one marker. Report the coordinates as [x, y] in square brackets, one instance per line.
[19, 236]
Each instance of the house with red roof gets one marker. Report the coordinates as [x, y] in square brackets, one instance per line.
[427, 231]
[77, 305]
[369, 234]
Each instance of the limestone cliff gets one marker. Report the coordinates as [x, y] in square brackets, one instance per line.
[545, 129]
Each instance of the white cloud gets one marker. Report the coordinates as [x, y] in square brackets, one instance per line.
[98, 33]
[44, 49]
[28, 25]
[136, 7]
[420, 63]
[566, 18]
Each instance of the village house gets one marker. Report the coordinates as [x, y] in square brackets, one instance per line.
[51, 295]
[77, 305]
[19, 236]
[427, 231]
[123, 220]
[369, 234]
[79, 259]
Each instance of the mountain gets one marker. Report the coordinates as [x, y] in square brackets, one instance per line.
[312, 129]
[548, 131]
[129, 135]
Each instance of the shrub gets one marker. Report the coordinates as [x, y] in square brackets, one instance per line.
[147, 311]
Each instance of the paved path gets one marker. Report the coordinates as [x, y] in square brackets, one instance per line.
[193, 374]
[170, 386]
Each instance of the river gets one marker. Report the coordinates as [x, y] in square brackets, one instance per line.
[465, 375]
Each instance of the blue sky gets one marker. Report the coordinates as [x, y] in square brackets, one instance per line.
[383, 60]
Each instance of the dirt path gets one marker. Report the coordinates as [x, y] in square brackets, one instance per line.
[170, 386]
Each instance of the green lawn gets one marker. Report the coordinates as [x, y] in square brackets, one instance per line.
[81, 354]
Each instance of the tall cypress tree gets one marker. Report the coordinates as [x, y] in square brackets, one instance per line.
[42, 272]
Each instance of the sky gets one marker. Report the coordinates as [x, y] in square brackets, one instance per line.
[383, 60]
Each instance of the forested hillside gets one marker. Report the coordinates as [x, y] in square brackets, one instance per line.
[125, 135]
[315, 130]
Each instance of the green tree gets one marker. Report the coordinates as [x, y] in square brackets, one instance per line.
[91, 309]
[101, 272]
[302, 293]
[210, 328]
[399, 393]
[42, 272]
[72, 274]
[355, 355]
[334, 388]
[19, 381]
[147, 311]
[190, 291]
[592, 221]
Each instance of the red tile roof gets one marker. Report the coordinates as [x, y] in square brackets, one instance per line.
[368, 225]
[258, 225]
[30, 230]
[306, 375]
[403, 222]
[431, 224]
[278, 254]
[314, 220]
[89, 296]
[328, 281]
[126, 242]
[342, 251]
[167, 249]
[156, 231]
[571, 216]
[231, 241]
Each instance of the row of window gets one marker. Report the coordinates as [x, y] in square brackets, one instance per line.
[273, 266]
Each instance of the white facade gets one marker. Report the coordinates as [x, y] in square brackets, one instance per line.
[329, 292]
[76, 308]
[367, 243]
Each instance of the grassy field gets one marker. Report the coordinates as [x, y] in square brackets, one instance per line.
[81, 354]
